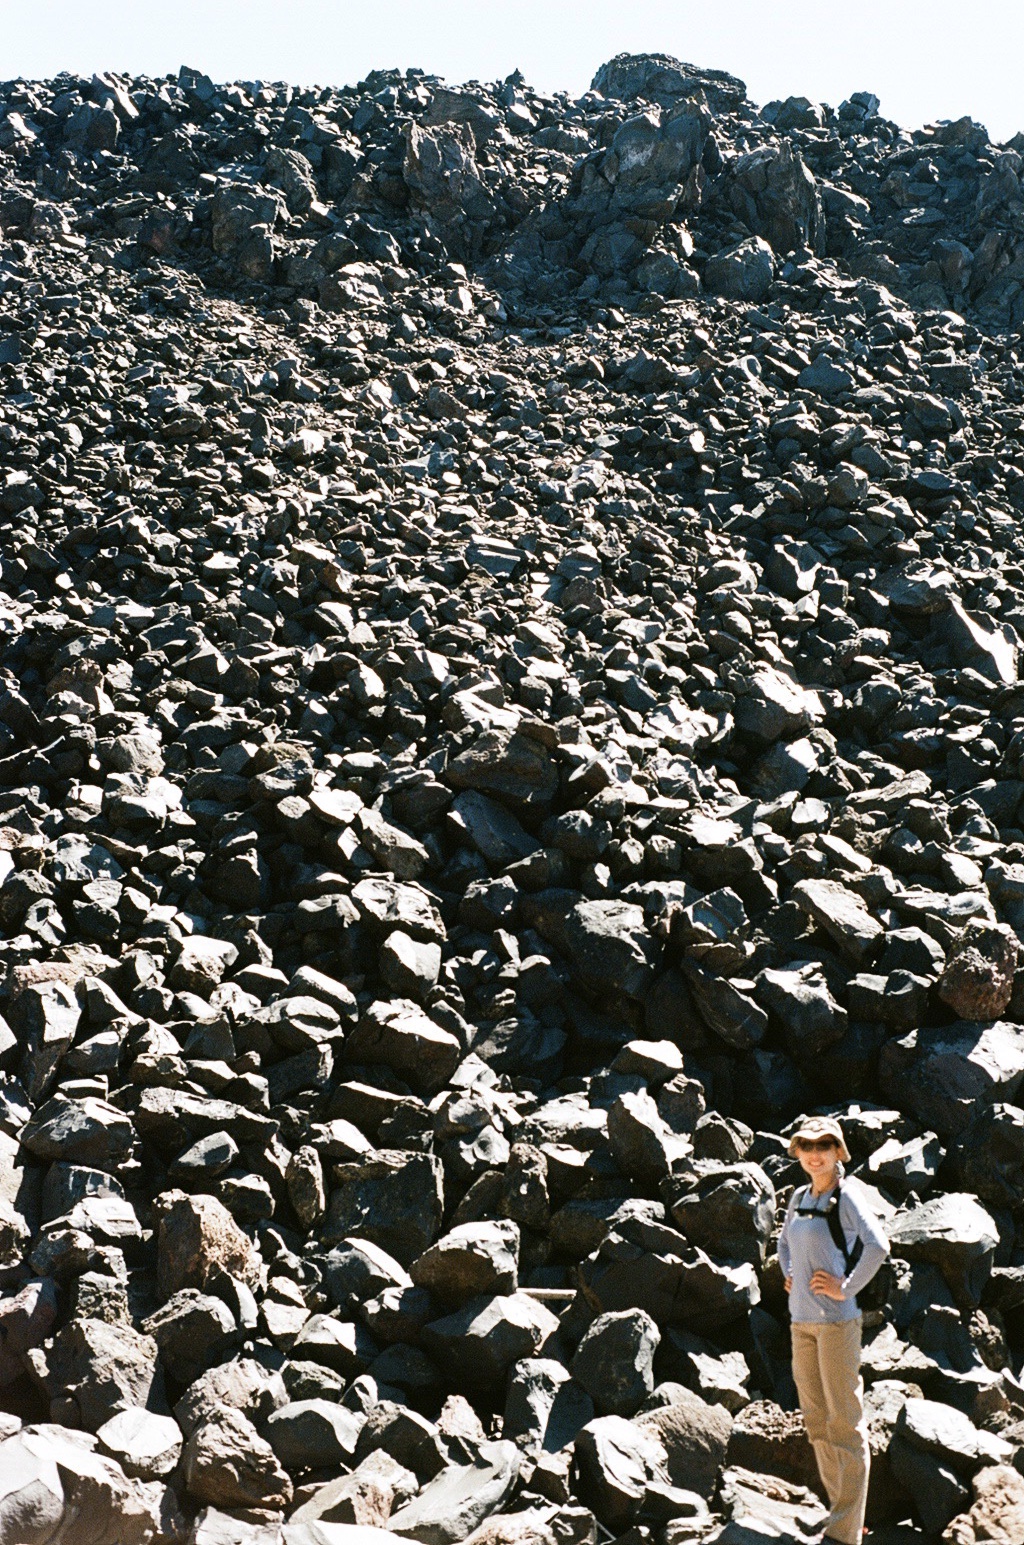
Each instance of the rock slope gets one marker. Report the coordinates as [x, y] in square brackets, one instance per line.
[511, 613]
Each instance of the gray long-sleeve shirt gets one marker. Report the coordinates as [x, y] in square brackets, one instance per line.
[806, 1246]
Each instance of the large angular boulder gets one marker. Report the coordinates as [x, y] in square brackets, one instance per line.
[774, 193]
[763, 1507]
[242, 1385]
[481, 1342]
[401, 1036]
[26, 1319]
[342, 1345]
[944, 1076]
[457, 1500]
[799, 997]
[317, 1433]
[662, 79]
[511, 766]
[996, 1516]
[645, 1265]
[694, 1435]
[975, 640]
[80, 1131]
[606, 944]
[385, 905]
[842, 914]
[472, 1259]
[742, 272]
[937, 1492]
[394, 1199]
[145, 1444]
[226, 1463]
[91, 1370]
[366, 1496]
[614, 1362]
[727, 1210]
[954, 1233]
[54, 1490]
[198, 1240]
[989, 1157]
[545, 1407]
[618, 1461]
[933, 1427]
[641, 1141]
[769, 1440]
[442, 176]
[773, 707]
[242, 223]
[190, 1328]
[977, 978]
[45, 1018]
[358, 1269]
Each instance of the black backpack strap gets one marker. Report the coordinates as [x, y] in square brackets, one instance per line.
[835, 1228]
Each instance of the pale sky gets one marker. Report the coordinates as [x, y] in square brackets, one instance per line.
[925, 59]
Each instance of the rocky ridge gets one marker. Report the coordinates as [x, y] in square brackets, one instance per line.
[511, 614]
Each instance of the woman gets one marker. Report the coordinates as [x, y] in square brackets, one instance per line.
[830, 1247]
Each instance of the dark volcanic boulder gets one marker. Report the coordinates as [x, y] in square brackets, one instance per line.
[394, 1199]
[648, 1266]
[614, 1362]
[727, 1210]
[694, 1435]
[483, 1340]
[606, 943]
[943, 1075]
[954, 1233]
[660, 78]
[990, 1155]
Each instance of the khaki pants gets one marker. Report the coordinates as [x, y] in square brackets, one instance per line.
[826, 1368]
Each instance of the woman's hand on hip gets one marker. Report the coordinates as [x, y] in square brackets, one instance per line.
[789, 1284]
[828, 1286]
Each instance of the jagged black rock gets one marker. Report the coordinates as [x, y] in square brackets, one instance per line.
[511, 613]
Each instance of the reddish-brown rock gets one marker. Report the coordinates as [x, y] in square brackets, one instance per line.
[198, 1240]
[977, 980]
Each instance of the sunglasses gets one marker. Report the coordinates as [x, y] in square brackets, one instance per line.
[817, 1145]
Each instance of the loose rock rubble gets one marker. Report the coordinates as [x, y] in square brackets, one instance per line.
[511, 614]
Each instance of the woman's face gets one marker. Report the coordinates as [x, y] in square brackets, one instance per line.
[818, 1158]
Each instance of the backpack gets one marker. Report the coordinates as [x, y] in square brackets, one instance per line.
[835, 1228]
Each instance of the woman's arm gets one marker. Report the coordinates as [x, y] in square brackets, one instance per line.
[785, 1254]
[875, 1245]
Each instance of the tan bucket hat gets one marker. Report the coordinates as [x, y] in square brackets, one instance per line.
[813, 1128]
